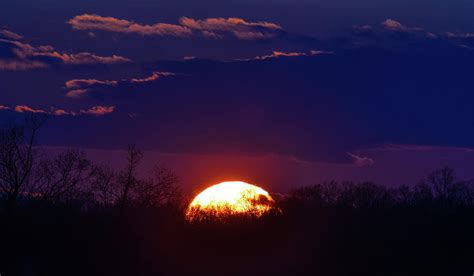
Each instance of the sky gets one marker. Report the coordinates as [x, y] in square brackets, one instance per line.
[281, 93]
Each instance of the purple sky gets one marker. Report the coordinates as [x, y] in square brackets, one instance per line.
[281, 94]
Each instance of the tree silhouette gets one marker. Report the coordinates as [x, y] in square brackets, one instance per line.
[103, 184]
[158, 189]
[63, 178]
[18, 155]
[128, 178]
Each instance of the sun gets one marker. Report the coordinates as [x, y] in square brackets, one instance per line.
[229, 198]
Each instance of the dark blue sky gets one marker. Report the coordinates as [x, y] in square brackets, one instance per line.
[312, 82]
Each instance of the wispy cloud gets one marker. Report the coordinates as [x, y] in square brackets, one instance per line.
[81, 87]
[111, 24]
[394, 25]
[77, 93]
[25, 108]
[80, 83]
[280, 54]
[23, 56]
[94, 111]
[361, 161]
[459, 34]
[20, 64]
[98, 110]
[154, 76]
[240, 28]
[10, 35]
[187, 27]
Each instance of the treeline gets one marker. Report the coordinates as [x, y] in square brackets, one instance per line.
[440, 189]
[29, 175]
[65, 215]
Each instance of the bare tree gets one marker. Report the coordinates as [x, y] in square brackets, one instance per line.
[160, 189]
[104, 185]
[63, 178]
[128, 178]
[443, 182]
[18, 155]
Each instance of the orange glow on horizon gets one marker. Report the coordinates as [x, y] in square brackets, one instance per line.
[230, 198]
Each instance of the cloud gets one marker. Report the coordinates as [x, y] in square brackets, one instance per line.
[362, 28]
[94, 111]
[20, 56]
[211, 27]
[361, 161]
[414, 147]
[81, 87]
[394, 25]
[154, 76]
[78, 83]
[238, 27]
[278, 54]
[77, 93]
[20, 65]
[98, 110]
[459, 34]
[10, 35]
[111, 24]
[87, 58]
[25, 108]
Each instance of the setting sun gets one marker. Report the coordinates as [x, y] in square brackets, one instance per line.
[230, 198]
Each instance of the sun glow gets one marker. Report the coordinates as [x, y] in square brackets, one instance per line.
[230, 198]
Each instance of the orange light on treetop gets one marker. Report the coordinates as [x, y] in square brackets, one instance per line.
[229, 198]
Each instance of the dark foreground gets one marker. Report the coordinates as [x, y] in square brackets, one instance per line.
[357, 229]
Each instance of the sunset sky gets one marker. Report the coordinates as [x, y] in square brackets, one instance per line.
[281, 93]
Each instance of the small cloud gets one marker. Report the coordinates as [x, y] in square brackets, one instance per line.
[10, 35]
[154, 76]
[189, 57]
[98, 110]
[319, 52]
[278, 54]
[81, 87]
[394, 25]
[20, 65]
[361, 161]
[25, 108]
[459, 34]
[79, 83]
[60, 112]
[362, 27]
[95, 110]
[77, 93]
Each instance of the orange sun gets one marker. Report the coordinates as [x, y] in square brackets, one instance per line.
[229, 198]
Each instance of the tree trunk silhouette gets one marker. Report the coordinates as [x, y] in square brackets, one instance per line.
[128, 178]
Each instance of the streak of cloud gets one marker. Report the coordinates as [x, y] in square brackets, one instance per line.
[94, 110]
[81, 87]
[211, 27]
